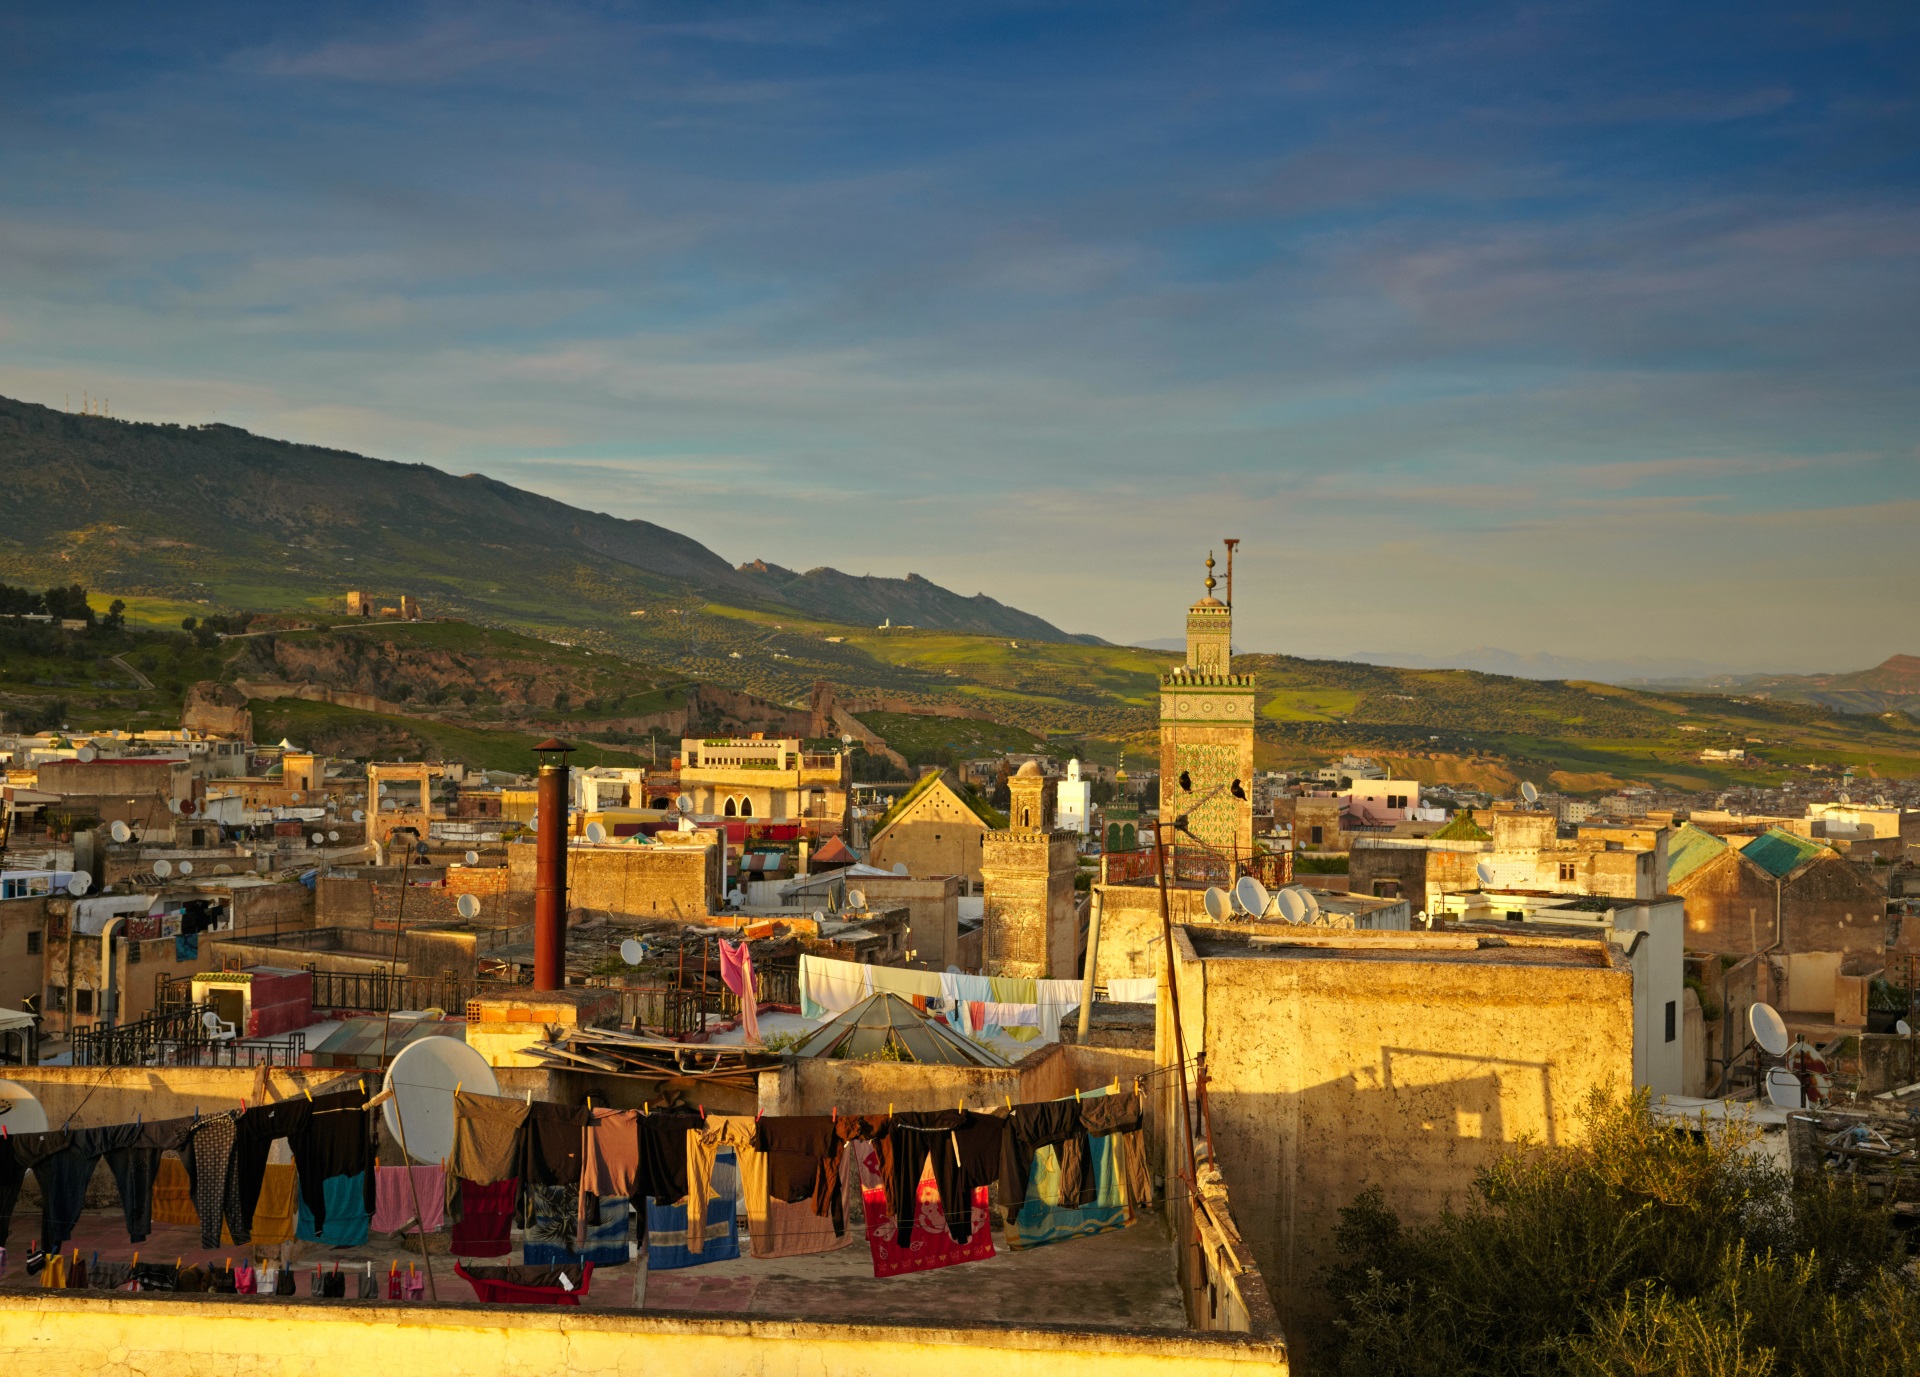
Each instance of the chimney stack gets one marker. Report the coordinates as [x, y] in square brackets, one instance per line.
[550, 867]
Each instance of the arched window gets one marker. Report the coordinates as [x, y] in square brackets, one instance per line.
[1026, 817]
[732, 809]
[1128, 838]
[746, 807]
[660, 803]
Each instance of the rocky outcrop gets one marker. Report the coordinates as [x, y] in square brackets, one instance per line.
[217, 709]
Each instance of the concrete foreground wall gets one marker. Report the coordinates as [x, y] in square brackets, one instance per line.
[186, 1336]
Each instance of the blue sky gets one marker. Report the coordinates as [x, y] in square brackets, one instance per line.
[1587, 329]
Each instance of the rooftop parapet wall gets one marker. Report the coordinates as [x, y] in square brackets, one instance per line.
[187, 1336]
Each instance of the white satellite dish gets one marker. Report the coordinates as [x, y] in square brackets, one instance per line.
[596, 833]
[1528, 792]
[359, 816]
[1253, 896]
[1484, 873]
[1900, 1027]
[295, 795]
[333, 836]
[119, 831]
[819, 915]
[1218, 908]
[1312, 902]
[899, 867]
[1769, 1029]
[1846, 798]
[20, 1112]
[631, 951]
[856, 898]
[683, 803]
[383, 791]
[80, 883]
[1784, 1090]
[173, 806]
[468, 905]
[1292, 907]
[163, 868]
[86, 755]
[186, 867]
[317, 839]
[423, 1078]
[473, 858]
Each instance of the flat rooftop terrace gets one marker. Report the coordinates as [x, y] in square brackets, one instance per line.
[1123, 1280]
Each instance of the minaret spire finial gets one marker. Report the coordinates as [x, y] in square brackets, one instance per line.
[1209, 573]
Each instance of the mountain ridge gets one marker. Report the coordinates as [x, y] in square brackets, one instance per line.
[166, 509]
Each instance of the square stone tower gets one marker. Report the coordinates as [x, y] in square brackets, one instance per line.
[1206, 731]
[1032, 921]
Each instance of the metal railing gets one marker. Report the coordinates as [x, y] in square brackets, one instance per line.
[383, 992]
[179, 1037]
[663, 1009]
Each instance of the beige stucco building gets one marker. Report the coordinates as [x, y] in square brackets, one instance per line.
[934, 829]
[769, 778]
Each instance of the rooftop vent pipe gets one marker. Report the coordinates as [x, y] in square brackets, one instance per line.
[550, 867]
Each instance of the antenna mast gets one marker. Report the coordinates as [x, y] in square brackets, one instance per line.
[1230, 544]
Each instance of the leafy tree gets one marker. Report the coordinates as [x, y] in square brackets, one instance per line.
[116, 618]
[68, 603]
[189, 623]
[1643, 1250]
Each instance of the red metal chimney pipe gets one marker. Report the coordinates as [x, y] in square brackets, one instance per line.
[550, 868]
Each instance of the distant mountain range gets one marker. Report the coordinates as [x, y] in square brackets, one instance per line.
[1488, 659]
[214, 513]
[1893, 685]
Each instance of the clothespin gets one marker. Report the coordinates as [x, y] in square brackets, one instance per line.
[456, 1089]
[1116, 1085]
[1009, 1100]
[889, 1109]
[760, 1114]
[1076, 1092]
[134, 1263]
[303, 1090]
[703, 1111]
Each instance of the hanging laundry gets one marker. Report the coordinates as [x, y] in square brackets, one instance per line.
[663, 1155]
[13, 1174]
[930, 1247]
[667, 1223]
[555, 1236]
[485, 1224]
[276, 1209]
[173, 1194]
[488, 1143]
[962, 1151]
[1048, 1123]
[704, 1144]
[1142, 989]
[736, 973]
[335, 1142]
[258, 1130]
[611, 1162]
[828, 987]
[1053, 1205]
[409, 1199]
[784, 1230]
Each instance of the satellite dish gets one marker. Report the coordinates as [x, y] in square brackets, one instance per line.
[899, 867]
[1218, 907]
[383, 792]
[20, 1112]
[1292, 907]
[1846, 798]
[1784, 1090]
[86, 755]
[1312, 904]
[188, 807]
[173, 806]
[819, 915]
[333, 836]
[1769, 1029]
[631, 951]
[423, 1078]
[1484, 873]
[683, 803]
[186, 867]
[317, 839]
[1900, 1027]
[846, 738]
[596, 833]
[163, 868]
[1529, 793]
[80, 883]
[223, 869]
[473, 858]
[1252, 895]
[295, 796]
[119, 831]
[359, 816]
[468, 905]
[856, 898]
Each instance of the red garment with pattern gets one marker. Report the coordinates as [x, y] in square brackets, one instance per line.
[931, 1247]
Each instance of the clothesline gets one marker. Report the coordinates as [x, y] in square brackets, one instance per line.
[1014, 1004]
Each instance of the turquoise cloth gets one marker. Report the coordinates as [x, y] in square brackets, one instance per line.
[348, 1218]
[1037, 1223]
[667, 1224]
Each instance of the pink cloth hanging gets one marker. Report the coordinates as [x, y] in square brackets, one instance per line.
[736, 972]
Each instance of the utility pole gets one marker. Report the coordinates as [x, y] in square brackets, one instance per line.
[1230, 543]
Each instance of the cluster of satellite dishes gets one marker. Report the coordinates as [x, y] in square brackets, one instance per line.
[1249, 899]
